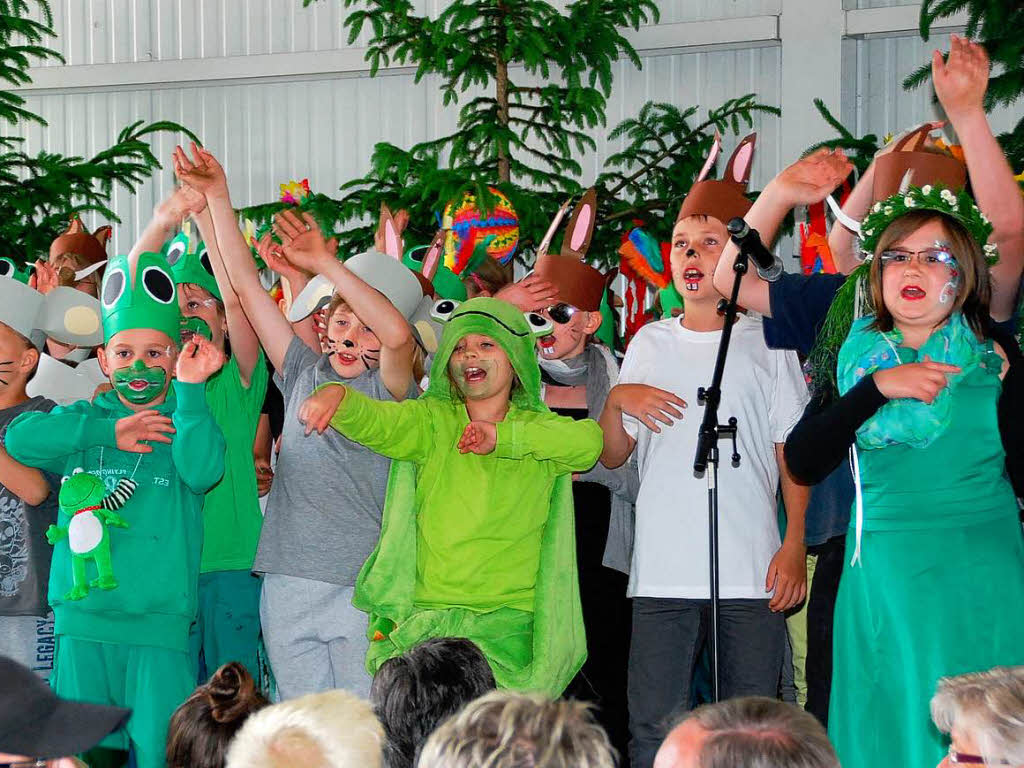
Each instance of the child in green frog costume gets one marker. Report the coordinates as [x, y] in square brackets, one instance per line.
[128, 646]
[84, 499]
[477, 538]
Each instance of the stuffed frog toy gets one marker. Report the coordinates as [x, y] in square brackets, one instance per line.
[90, 509]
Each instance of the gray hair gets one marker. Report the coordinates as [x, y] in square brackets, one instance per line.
[513, 730]
[757, 732]
[990, 706]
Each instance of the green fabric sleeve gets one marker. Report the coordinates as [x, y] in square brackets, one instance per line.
[46, 440]
[197, 447]
[401, 431]
[570, 446]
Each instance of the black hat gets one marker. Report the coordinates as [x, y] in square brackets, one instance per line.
[35, 723]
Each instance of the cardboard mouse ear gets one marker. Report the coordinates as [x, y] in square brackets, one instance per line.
[432, 257]
[738, 169]
[388, 238]
[316, 295]
[71, 317]
[581, 226]
[716, 147]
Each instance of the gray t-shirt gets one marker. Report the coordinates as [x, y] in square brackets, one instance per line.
[324, 509]
[24, 552]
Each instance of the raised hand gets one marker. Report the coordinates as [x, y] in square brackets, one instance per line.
[44, 278]
[648, 404]
[319, 408]
[810, 179]
[198, 361]
[479, 437]
[787, 576]
[960, 81]
[303, 242]
[132, 433]
[183, 201]
[202, 172]
[921, 381]
[274, 257]
[530, 294]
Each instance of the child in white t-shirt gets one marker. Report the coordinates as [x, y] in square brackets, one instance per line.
[760, 577]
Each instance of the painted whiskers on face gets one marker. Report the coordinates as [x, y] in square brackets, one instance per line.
[5, 370]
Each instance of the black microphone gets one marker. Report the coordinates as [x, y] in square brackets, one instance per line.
[749, 241]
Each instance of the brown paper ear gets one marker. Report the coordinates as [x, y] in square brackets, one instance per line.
[738, 169]
[925, 166]
[388, 238]
[716, 147]
[432, 257]
[581, 226]
[75, 226]
[103, 234]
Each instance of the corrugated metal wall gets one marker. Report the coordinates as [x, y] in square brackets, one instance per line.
[325, 129]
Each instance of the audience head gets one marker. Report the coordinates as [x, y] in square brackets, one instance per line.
[35, 725]
[752, 732]
[984, 714]
[414, 693]
[202, 728]
[514, 730]
[333, 729]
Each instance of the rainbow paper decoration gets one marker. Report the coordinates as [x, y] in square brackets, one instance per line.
[466, 225]
[294, 192]
[646, 257]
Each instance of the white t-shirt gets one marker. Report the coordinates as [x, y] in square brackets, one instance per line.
[765, 390]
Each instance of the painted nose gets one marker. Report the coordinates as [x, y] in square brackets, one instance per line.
[691, 252]
[348, 343]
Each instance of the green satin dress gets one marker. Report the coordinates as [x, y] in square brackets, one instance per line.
[938, 590]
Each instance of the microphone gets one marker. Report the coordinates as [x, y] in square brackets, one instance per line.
[749, 242]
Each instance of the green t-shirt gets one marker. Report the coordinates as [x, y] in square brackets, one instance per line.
[231, 511]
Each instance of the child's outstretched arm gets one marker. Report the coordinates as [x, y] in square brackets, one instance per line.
[564, 443]
[645, 403]
[167, 216]
[206, 175]
[806, 181]
[27, 483]
[245, 346]
[306, 248]
[402, 431]
[960, 84]
[198, 446]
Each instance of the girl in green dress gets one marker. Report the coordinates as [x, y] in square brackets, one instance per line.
[935, 581]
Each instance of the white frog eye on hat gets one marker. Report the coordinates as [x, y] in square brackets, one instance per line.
[443, 310]
[539, 325]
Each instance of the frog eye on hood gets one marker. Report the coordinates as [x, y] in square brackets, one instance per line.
[443, 310]
[7, 267]
[174, 252]
[204, 259]
[539, 325]
[113, 287]
[158, 285]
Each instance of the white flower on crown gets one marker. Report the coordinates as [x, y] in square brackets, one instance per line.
[909, 202]
[948, 197]
[876, 207]
[888, 210]
[926, 189]
[867, 232]
[984, 218]
[989, 248]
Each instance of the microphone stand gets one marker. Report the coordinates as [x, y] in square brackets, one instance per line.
[711, 431]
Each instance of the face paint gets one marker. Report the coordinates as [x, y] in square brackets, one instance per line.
[138, 384]
[193, 325]
[473, 376]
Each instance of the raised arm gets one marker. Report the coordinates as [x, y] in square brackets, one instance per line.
[205, 174]
[245, 346]
[806, 181]
[167, 216]
[960, 85]
[306, 248]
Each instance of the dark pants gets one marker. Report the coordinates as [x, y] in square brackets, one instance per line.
[820, 607]
[668, 635]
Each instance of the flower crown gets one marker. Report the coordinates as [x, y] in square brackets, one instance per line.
[958, 206]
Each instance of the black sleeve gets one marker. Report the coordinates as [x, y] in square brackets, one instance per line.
[822, 437]
[1011, 409]
[799, 305]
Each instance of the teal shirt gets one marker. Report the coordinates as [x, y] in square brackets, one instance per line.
[156, 559]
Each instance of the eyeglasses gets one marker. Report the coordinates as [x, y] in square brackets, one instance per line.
[928, 258]
[963, 758]
[562, 313]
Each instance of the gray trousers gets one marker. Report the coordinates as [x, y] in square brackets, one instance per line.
[668, 635]
[315, 639]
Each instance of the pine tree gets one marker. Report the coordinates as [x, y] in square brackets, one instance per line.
[39, 192]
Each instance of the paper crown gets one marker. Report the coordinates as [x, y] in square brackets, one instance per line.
[65, 314]
[467, 225]
[139, 292]
[925, 166]
[189, 261]
[76, 239]
[577, 283]
[724, 198]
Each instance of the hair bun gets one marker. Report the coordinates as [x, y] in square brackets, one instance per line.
[231, 693]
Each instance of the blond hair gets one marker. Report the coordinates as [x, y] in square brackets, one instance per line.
[989, 705]
[334, 729]
[504, 729]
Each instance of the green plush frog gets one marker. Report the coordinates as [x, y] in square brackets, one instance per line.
[83, 498]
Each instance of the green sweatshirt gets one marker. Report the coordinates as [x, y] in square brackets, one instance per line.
[156, 559]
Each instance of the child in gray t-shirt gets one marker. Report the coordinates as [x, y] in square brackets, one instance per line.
[323, 515]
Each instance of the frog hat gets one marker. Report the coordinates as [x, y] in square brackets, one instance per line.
[513, 330]
[139, 292]
[189, 261]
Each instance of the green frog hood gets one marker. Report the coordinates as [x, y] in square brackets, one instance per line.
[514, 331]
[190, 262]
